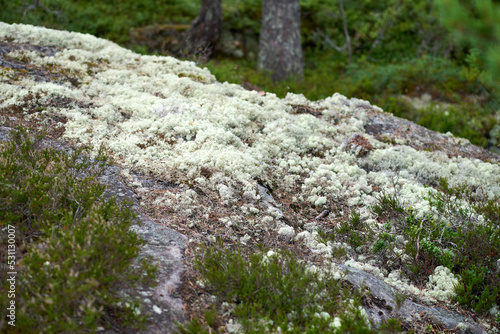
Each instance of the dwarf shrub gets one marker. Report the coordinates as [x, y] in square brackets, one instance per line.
[276, 292]
[353, 231]
[77, 246]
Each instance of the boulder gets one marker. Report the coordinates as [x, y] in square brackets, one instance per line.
[203, 160]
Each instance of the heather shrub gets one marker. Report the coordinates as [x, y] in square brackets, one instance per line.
[77, 248]
[273, 291]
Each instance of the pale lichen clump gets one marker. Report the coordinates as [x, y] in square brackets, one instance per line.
[286, 232]
[441, 284]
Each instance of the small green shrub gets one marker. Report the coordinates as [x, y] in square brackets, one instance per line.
[262, 290]
[194, 327]
[391, 326]
[78, 246]
[39, 185]
[383, 242]
[75, 276]
[353, 231]
[389, 207]
[474, 290]
[276, 292]
[427, 241]
[479, 247]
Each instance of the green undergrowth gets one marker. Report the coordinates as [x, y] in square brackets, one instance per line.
[454, 236]
[75, 247]
[110, 19]
[274, 292]
[462, 103]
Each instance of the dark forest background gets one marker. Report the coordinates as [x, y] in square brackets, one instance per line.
[435, 62]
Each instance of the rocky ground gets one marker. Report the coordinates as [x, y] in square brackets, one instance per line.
[204, 161]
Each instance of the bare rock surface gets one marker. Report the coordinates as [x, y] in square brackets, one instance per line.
[165, 248]
[386, 305]
[387, 127]
[4, 133]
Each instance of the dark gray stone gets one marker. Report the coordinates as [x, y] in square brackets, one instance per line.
[386, 306]
[4, 133]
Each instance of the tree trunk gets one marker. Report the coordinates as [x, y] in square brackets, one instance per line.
[280, 49]
[206, 28]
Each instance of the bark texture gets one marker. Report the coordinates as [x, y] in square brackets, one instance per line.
[280, 49]
[206, 28]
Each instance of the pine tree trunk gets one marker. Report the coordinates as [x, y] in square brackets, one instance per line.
[206, 28]
[280, 49]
